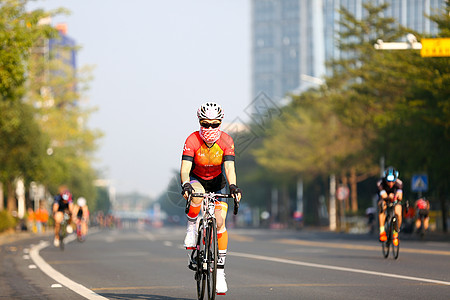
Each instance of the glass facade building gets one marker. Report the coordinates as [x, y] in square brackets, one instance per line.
[292, 39]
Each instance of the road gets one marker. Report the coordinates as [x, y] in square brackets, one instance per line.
[261, 264]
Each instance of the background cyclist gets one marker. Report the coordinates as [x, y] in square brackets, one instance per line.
[206, 154]
[390, 189]
[63, 203]
[422, 207]
[81, 214]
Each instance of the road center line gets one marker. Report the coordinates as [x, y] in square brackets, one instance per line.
[60, 278]
[356, 247]
[313, 265]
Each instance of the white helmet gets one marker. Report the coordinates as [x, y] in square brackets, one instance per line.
[210, 111]
[81, 201]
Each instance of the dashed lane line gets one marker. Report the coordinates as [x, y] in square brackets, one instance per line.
[57, 276]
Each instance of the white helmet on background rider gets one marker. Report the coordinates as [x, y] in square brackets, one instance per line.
[81, 201]
[210, 111]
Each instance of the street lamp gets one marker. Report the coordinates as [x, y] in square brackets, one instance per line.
[411, 44]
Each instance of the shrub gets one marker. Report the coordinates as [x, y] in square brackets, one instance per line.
[6, 221]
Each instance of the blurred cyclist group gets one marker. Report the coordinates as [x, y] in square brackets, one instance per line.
[78, 213]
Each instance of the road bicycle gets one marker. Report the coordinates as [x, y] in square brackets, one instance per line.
[80, 236]
[390, 224]
[204, 256]
[63, 230]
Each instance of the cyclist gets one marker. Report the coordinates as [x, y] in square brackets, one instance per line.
[390, 189]
[63, 203]
[81, 214]
[422, 206]
[207, 154]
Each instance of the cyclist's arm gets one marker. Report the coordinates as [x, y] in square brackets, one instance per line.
[186, 166]
[75, 212]
[399, 192]
[55, 207]
[399, 195]
[85, 213]
[381, 191]
[70, 207]
[230, 172]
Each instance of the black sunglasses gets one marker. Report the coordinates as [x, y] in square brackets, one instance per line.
[207, 125]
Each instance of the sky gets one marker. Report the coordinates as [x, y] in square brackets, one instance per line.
[155, 62]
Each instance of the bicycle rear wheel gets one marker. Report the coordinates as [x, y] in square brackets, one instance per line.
[200, 276]
[213, 253]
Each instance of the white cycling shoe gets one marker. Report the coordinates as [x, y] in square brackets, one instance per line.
[221, 284]
[56, 242]
[190, 241]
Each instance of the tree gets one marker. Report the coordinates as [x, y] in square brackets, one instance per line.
[375, 103]
[56, 89]
[21, 146]
[43, 131]
[20, 137]
[404, 98]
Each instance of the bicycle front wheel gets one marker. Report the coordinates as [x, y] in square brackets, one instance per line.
[385, 245]
[62, 235]
[213, 253]
[395, 249]
[200, 276]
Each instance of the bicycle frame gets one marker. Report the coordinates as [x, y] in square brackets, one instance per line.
[63, 230]
[80, 236]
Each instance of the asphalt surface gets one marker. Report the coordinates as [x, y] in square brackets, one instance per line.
[261, 264]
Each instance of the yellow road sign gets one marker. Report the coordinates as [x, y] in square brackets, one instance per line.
[435, 47]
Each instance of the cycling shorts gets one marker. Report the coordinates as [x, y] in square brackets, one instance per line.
[423, 212]
[215, 185]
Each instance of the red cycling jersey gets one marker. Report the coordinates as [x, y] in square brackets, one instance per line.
[208, 161]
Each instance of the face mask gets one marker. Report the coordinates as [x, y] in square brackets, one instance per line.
[210, 135]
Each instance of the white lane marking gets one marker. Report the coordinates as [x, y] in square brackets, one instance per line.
[56, 285]
[26, 257]
[148, 235]
[58, 277]
[110, 239]
[32, 267]
[312, 265]
[26, 250]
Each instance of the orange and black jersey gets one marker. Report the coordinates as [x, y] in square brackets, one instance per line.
[208, 161]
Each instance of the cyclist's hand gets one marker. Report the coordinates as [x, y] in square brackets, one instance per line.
[187, 190]
[235, 192]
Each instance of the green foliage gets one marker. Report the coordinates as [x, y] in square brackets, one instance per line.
[41, 108]
[19, 30]
[6, 221]
[102, 201]
[21, 142]
[376, 103]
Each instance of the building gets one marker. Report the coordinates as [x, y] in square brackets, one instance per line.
[292, 39]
